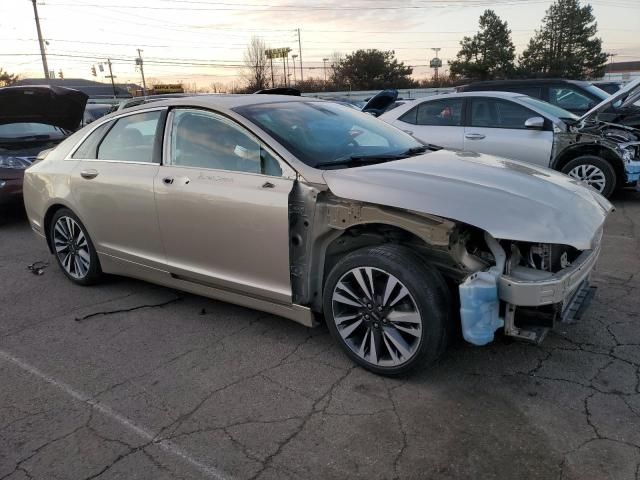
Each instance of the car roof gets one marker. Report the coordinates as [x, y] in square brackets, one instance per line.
[475, 93]
[531, 81]
[221, 101]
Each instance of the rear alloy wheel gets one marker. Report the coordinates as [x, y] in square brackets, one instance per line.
[387, 309]
[594, 171]
[73, 248]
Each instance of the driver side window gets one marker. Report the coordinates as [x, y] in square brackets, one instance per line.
[203, 139]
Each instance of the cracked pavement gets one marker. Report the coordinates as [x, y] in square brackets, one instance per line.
[127, 380]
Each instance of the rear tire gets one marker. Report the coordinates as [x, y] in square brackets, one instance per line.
[387, 308]
[73, 248]
[595, 171]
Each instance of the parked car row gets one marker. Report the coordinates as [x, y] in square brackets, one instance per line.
[513, 125]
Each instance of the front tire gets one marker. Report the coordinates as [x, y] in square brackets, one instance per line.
[595, 171]
[387, 308]
[73, 248]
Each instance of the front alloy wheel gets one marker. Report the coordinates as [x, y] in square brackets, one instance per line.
[594, 171]
[73, 248]
[387, 308]
[376, 316]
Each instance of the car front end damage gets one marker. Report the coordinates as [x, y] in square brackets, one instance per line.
[618, 143]
[529, 289]
[516, 243]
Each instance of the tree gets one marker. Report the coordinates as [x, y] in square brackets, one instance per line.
[566, 45]
[256, 65]
[7, 78]
[372, 70]
[489, 54]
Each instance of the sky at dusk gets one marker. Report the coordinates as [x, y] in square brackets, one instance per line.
[203, 41]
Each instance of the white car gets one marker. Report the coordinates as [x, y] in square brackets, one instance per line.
[518, 127]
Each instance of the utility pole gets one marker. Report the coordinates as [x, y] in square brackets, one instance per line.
[113, 85]
[139, 62]
[324, 64]
[293, 58]
[284, 67]
[40, 40]
[300, 53]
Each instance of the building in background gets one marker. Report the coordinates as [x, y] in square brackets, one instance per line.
[622, 71]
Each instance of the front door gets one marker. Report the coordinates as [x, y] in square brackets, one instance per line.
[496, 127]
[222, 200]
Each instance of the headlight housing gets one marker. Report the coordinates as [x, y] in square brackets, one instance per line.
[17, 163]
[631, 153]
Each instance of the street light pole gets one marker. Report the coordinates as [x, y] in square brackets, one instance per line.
[42, 52]
[324, 64]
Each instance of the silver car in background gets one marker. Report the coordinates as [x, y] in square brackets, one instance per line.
[308, 209]
[519, 127]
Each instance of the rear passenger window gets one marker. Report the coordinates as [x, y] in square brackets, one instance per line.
[410, 116]
[444, 112]
[131, 139]
[88, 148]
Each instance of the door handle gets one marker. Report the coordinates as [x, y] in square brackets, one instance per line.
[89, 174]
[268, 185]
[474, 136]
[167, 180]
[408, 131]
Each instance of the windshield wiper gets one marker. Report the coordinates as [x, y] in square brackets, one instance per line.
[363, 160]
[371, 159]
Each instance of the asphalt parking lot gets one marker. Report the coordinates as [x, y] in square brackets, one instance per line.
[127, 380]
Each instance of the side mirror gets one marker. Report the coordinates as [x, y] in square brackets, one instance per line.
[534, 123]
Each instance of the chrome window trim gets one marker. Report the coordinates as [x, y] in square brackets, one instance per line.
[287, 171]
[98, 123]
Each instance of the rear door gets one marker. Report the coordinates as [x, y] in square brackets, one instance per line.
[112, 186]
[437, 121]
[496, 127]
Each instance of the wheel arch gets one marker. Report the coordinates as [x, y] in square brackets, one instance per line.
[48, 217]
[355, 237]
[599, 150]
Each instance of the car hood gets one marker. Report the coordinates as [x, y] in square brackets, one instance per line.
[625, 97]
[57, 106]
[509, 199]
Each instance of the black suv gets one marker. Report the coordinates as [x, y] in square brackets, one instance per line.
[574, 95]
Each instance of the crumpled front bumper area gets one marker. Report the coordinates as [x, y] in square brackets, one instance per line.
[489, 300]
[556, 289]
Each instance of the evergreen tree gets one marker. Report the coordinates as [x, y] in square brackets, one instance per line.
[373, 69]
[489, 54]
[566, 45]
[7, 78]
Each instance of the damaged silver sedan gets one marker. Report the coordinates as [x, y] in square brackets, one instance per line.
[309, 210]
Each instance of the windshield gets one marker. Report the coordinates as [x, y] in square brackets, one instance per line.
[20, 130]
[322, 133]
[549, 108]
